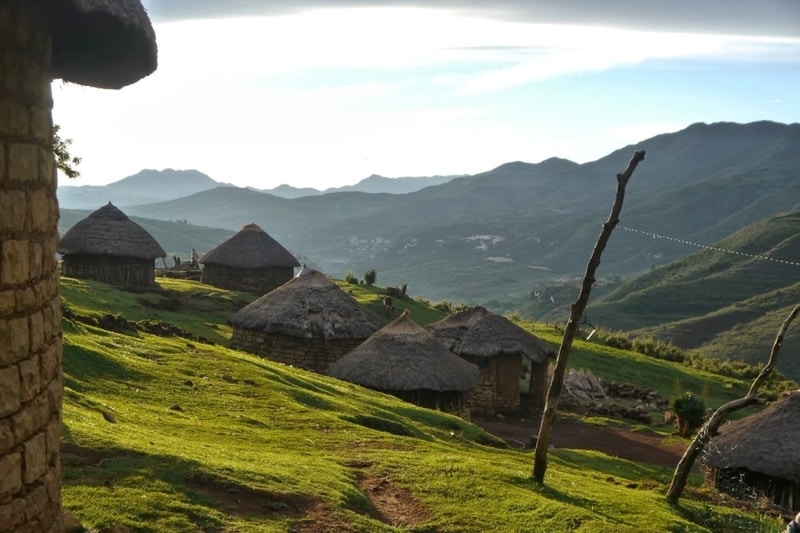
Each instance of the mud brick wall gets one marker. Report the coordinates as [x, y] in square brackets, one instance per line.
[30, 339]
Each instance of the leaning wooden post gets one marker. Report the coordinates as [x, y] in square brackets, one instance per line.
[577, 309]
[697, 446]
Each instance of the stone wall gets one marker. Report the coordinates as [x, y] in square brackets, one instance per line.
[498, 386]
[30, 339]
[253, 280]
[316, 355]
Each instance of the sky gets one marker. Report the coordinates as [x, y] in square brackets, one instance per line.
[315, 93]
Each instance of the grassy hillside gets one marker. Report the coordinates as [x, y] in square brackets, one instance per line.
[172, 433]
[500, 233]
[728, 305]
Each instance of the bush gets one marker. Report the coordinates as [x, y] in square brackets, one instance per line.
[350, 277]
[649, 346]
[775, 383]
[658, 349]
[370, 277]
[617, 339]
[690, 412]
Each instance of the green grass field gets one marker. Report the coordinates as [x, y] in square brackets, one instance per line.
[169, 433]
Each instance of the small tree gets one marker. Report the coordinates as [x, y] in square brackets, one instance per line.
[370, 276]
[65, 161]
[350, 277]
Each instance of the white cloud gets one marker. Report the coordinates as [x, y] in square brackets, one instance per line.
[328, 97]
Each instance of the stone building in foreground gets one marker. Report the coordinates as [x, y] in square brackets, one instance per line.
[90, 42]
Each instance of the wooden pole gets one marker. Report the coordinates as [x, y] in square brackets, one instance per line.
[577, 310]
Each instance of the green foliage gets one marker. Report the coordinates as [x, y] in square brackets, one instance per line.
[616, 339]
[644, 345]
[690, 411]
[448, 307]
[370, 277]
[771, 388]
[657, 348]
[350, 277]
[65, 161]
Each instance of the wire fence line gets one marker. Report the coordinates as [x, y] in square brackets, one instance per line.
[707, 247]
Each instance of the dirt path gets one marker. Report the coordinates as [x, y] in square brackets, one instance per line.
[639, 446]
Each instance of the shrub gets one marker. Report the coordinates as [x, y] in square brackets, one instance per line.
[658, 349]
[370, 276]
[617, 339]
[350, 277]
[690, 412]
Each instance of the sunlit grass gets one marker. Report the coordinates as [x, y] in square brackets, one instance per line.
[192, 418]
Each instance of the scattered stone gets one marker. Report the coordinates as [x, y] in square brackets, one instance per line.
[228, 378]
[109, 417]
[189, 383]
[176, 407]
[71, 524]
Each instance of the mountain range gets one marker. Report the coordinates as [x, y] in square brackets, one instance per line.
[520, 234]
[148, 186]
[499, 234]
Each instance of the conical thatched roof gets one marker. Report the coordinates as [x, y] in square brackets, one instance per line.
[403, 357]
[108, 231]
[252, 247]
[477, 332]
[766, 442]
[309, 306]
[102, 43]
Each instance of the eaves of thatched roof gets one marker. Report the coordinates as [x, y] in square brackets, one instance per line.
[308, 306]
[102, 43]
[403, 357]
[108, 231]
[766, 442]
[477, 332]
[251, 247]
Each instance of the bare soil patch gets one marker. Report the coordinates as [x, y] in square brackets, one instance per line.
[639, 446]
[393, 505]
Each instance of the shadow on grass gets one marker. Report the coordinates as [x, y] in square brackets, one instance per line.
[612, 466]
[203, 498]
[388, 423]
[452, 424]
[80, 363]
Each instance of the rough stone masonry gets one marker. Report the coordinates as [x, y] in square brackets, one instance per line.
[30, 338]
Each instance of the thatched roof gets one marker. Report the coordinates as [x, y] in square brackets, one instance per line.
[108, 231]
[308, 306]
[103, 43]
[766, 442]
[252, 247]
[403, 357]
[477, 332]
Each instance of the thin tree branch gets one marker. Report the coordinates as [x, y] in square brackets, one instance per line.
[577, 310]
[710, 428]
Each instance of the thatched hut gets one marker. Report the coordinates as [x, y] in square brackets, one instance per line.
[308, 322]
[406, 360]
[108, 246]
[250, 261]
[759, 454]
[497, 346]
